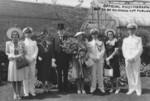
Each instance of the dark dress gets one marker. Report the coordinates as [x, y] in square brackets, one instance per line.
[114, 62]
[45, 70]
[39, 63]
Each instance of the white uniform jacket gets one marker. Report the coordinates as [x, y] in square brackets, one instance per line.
[96, 50]
[31, 49]
[132, 47]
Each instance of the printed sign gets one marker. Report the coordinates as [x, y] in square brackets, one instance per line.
[124, 8]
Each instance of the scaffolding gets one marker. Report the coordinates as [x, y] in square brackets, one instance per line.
[97, 18]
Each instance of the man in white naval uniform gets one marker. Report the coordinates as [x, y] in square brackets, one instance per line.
[96, 51]
[31, 55]
[132, 49]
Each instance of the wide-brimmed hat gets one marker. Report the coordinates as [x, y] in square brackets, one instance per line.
[14, 29]
[27, 30]
[110, 30]
[94, 31]
[79, 33]
[132, 26]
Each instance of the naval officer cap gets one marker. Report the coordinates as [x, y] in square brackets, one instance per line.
[27, 30]
[94, 31]
[132, 26]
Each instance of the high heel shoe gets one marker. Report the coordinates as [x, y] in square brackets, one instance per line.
[83, 92]
[78, 91]
[92, 90]
[117, 91]
[111, 90]
[102, 91]
[33, 94]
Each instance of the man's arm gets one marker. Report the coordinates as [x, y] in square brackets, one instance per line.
[124, 49]
[35, 50]
[140, 49]
[102, 51]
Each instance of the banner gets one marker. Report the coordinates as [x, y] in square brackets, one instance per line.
[125, 13]
[124, 8]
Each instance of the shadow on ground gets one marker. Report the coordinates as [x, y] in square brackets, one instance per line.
[42, 96]
[145, 91]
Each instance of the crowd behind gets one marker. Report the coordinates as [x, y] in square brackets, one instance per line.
[90, 60]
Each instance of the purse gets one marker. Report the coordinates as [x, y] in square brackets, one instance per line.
[89, 62]
[22, 62]
[108, 71]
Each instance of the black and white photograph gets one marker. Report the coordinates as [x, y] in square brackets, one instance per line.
[74, 50]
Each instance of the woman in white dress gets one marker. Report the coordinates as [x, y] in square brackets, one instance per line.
[14, 50]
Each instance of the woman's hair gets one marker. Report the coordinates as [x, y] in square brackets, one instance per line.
[14, 32]
[112, 33]
[84, 37]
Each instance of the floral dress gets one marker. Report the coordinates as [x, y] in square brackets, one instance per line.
[78, 63]
[14, 74]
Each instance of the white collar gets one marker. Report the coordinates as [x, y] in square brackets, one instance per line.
[132, 36]
[112, 42]
[27, 39]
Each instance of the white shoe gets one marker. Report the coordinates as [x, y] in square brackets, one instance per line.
[15, 96]
[26, 95]
[83, 92]
[92, 90]
[117, 91]
[33, 94]
[102, 90]
[18, 97]
[79, 92]
[130, 92]
[138, 93]
[111, 90]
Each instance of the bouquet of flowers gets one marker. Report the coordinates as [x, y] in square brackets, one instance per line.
[69, 46]
[72, 46]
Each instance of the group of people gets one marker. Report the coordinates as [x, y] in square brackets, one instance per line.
[94, 54]
[98, 53]
[16, 49]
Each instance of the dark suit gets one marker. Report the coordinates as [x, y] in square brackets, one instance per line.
[62, 62]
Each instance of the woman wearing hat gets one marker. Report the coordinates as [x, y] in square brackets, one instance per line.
[14, 50]
[112, 58]
[78, 61]
[45, 71]
[31, 55]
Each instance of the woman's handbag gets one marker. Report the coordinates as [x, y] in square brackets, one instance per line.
[89, 62]
[22, 62]
[108, 71]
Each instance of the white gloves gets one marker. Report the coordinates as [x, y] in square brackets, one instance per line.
[53, 63]
[40, 59]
